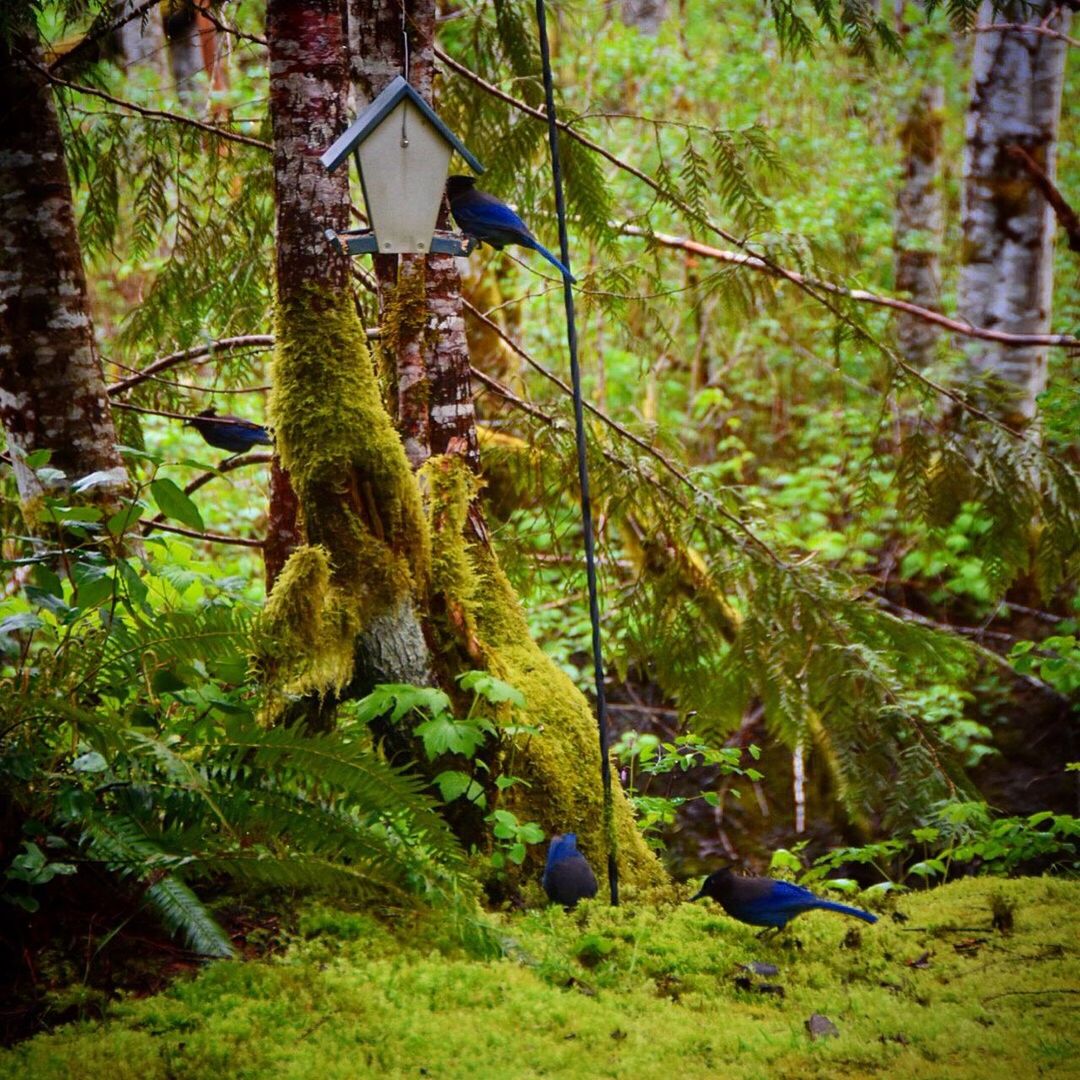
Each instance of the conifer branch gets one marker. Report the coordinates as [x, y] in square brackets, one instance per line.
[244, 341]
[627, 434]
[775, 268]
[155, 114]
[102, 28]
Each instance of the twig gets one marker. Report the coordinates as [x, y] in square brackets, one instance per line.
[1026, 28]
[102, 28]
[246, 341]
[155, 114]
[209, 15]
[211, 538]
[752, 262]
[1066, 215]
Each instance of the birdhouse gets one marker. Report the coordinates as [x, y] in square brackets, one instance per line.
[402, 152]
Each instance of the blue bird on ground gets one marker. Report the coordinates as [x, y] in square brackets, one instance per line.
[229, 432]
[762, 901]
[491, 221]
[568, 877]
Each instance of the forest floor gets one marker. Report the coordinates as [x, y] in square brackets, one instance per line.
[934, 990]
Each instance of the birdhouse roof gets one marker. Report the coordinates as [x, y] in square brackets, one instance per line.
[378, 111]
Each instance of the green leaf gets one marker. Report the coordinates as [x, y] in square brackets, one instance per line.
[123, 519]
[25, 620]
[453, 784]
[494, 690]
[48, 581]
[173, 503]
[400, 699]
[443, 734]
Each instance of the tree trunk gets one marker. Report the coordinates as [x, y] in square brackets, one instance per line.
[185, 49]
[141, 40]
[1006, 278]
[307, 87]
[645, 16]
[435, 412]
[919, 223]
[473, 614]
[52, 389]
[367, 547]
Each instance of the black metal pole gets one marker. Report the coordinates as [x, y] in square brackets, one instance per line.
[583, 465]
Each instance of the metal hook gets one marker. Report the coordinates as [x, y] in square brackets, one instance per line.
[405, 110]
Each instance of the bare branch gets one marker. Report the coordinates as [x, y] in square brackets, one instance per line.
[1026, 28]
[211, 538]
[245, 341]
[156, 114]
[752, 262]
[1066, 215]
[101, 28]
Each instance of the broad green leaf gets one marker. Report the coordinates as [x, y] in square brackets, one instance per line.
[173, 503]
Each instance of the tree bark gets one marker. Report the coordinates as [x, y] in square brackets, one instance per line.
[646, 16]
[331, 433]
[1006, 278]
[141, 40]
[308, 82]
[435, 411]
[52, 388]
[919, 221]
[185, 49]
[471, 614]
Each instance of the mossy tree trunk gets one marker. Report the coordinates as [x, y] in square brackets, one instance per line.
[390, 586]
[52, 389]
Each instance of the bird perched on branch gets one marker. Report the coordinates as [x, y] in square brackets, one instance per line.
[568, 877]
[229, 432]
[491, 221]
[762, 901]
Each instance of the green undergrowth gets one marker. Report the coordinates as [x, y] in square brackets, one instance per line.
[637, 991]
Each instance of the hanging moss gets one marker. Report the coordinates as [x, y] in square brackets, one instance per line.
[562, 764]
[360, 504]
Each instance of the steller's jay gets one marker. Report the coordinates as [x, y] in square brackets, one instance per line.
[491, 221]
[762, 901]
[229, 432]
[568, 877]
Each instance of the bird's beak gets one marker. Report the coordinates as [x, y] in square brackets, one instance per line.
[700, 893]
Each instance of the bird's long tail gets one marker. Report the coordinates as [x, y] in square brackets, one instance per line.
[828, 905]
[537, 246]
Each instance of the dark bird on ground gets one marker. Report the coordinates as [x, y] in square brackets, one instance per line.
[568, 877]
[491, 221]
[762, 901]
[229, 432]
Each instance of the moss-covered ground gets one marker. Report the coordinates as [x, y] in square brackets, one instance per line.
[633, 992]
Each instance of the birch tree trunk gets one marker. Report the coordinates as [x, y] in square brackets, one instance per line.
[1006, 277]
[52, 389]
